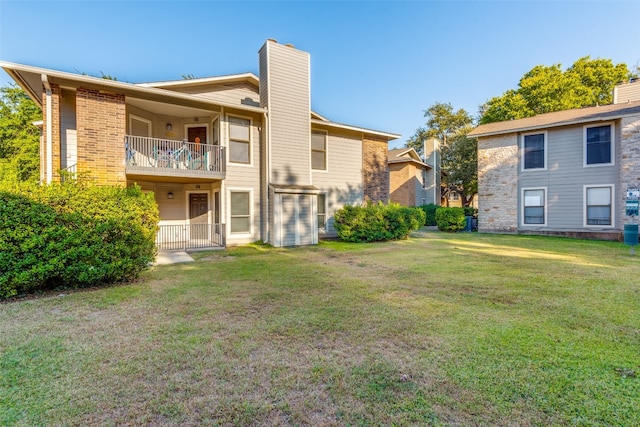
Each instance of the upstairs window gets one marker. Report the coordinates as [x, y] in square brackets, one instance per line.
[318, 150]
[598, 145]
[534, 151]
[239, 140]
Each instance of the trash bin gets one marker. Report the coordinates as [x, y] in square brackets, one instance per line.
[469, 223]
[631, 234]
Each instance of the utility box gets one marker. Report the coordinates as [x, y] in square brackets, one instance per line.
[631, 234]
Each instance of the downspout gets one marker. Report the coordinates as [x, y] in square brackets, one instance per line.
[49, 133]
[267, 178]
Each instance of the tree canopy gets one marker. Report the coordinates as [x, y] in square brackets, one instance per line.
[545, 89]
[458, 153]
[19, 138]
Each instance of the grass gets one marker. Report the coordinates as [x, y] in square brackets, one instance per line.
[440, 329]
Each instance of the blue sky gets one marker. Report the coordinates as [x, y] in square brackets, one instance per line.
[373, 64]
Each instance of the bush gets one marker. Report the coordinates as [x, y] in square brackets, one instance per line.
[377, 222]
[430, 212]
[72, 235]
[470, 211]
[450, 219]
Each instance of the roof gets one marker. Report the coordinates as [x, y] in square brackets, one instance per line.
[405, 155]
[30, 79]
[559, 118]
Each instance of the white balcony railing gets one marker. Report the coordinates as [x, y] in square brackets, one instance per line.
[169, 157]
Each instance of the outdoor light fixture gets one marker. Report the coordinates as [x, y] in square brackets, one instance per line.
[169, 195]
[168, 126]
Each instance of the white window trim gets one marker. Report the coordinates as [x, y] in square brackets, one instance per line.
[613, 205]
[584, 144]
[523, 169]
[228, 131]
[143, 120]
[546, 196]
[228, 207]
[326, 152]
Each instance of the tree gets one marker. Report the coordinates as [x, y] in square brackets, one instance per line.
[458, 153]
[19, 138]
[460, 162]
[545, 89]
[442, 123]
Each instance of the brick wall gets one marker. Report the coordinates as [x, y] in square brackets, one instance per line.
[375, 169]
[498, 184]
[630, 164]
[55, 132]
[101, 123]
[402, 183]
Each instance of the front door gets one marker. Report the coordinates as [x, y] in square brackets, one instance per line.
[197, 132]
[199, 215]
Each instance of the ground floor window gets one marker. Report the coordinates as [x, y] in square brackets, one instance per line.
[598, 207]
[534, 204]
[240, 212]
[322, 211]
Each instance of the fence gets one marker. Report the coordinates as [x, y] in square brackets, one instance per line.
[190, 236]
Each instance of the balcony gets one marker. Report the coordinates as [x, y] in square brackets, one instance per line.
[154, 157]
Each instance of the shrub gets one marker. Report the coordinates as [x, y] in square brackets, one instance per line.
[450, 219]
[470, 211]
[430, 212]
[377, 222]
[72, 235]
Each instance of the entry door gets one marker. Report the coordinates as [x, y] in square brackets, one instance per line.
[200, 131]
[199, 215]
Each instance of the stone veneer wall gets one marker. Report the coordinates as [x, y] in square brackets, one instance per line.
[55, 133]
[101, 123]
[630, 164]
[498, 184]
[375, 170]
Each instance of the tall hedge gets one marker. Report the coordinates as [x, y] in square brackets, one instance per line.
[377, 222]
[430, 212]
[73, 235]
[450, 219]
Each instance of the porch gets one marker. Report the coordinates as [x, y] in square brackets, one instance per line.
[190, 237]
[170, 158]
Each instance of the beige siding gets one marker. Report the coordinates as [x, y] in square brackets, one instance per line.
[627, 92]
[240, 176]
[342, 181]
[229, 93]
[289, 112]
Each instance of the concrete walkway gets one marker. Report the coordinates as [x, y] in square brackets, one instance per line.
[166, 257]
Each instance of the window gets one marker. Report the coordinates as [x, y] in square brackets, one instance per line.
[534, 151]
[239, 140]
[322, 211]
[318, 150]
[598, 145]
[240, 212]
[455, 196]
[598, 205]
[534, 203]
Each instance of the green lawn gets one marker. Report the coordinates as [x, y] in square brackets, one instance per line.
[441, 329]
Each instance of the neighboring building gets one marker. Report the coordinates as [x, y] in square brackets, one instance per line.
[564, 173]
[230, 159]
[413, 182]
